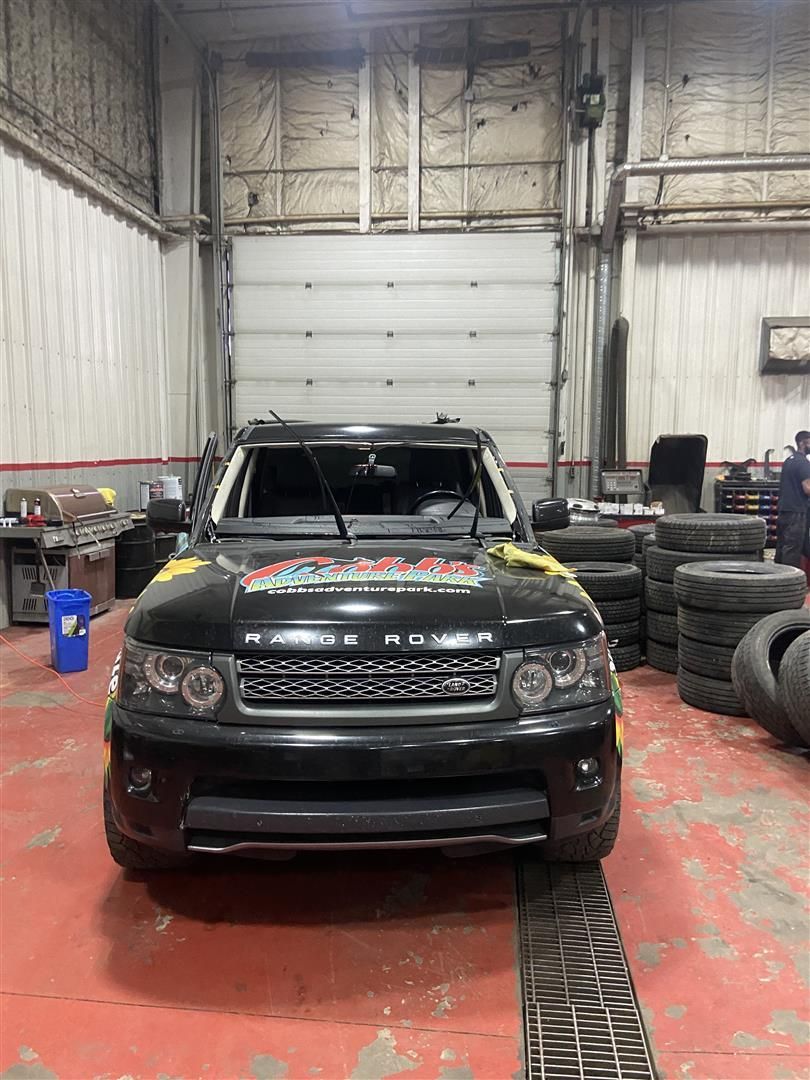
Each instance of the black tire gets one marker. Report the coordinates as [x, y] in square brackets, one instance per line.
[589, 542]
[662, 628]
[134, 856]
[741, 586]
[648, 542]
[609, 580]
[713, 695]
[662, 657]
[794, 685]
[704, 658]
[717, 628]
[728, 533]
[619, 611]
[660, 596]
[755, 671]
[639, 532]
[638, 560]
[626, 657]
[620, 634]
[588, 847]
[660, 564]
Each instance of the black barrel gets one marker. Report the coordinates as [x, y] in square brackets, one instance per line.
[134, 559]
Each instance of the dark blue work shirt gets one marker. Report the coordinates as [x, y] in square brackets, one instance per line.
[791, 494]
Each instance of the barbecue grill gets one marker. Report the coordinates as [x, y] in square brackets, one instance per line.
[74, 549]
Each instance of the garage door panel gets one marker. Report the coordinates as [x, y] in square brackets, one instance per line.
[368, 260]
[441, 309]
[320, 335]
[404, 358]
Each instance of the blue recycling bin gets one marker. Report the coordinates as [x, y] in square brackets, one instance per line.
[69, 622]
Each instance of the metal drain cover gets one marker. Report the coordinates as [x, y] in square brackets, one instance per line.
[582, 1020]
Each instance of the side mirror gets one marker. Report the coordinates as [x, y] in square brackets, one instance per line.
[167, 515]
[550, 514]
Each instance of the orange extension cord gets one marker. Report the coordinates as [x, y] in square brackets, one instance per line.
[36, 663]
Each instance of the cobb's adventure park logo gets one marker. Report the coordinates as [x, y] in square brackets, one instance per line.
[392, 570]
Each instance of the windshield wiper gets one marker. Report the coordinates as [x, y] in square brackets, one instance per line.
[475, 478]
[326, 490]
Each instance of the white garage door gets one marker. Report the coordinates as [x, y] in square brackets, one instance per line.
[400, 327]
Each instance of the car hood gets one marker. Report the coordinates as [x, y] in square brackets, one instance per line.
[355, 595]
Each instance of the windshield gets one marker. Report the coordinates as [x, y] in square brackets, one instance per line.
[381, 490]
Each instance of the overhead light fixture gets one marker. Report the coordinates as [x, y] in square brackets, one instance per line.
[337, 58]
[470, 56]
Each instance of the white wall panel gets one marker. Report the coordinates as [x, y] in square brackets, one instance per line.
[698, 302]
[466, 326]
[81, 331]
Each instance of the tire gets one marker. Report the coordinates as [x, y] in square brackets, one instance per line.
[589, 542]
[661, 564]
[620, 634]
[755, 671]
[626, 657]
[713, 695]
[588, 847]
[648, 542]
[704, 658]
[134, 856]
[662, 657]
[741, 586]
[660, 596]
[619, 611]
[729, 533]
[794, 685]
[662, 628]
[717, 628]
[639, 532]
[609, 580]
[638, 560]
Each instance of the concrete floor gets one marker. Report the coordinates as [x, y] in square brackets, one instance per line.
[379, 966]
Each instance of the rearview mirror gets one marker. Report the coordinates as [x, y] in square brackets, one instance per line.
[382, 472]
[167, 515]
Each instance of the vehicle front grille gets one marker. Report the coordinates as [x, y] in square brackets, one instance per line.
[368, 676]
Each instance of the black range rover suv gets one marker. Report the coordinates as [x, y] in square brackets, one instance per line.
[334, 660]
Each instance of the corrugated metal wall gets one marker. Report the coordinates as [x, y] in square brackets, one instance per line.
[81, 338]
[695, 319]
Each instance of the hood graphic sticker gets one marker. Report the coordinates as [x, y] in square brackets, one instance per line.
[318, 571]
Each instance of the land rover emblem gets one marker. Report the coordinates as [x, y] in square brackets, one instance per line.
[455, 686]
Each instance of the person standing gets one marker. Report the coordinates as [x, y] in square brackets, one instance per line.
[793, 523]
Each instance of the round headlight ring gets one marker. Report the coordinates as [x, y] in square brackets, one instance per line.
[531, 684]
[202, 688]
[568, 666]
[164, 671]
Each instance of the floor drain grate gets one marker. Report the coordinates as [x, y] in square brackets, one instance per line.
[581, 1015]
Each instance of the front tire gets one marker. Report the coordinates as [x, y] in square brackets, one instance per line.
[132, 855]
[587, 847]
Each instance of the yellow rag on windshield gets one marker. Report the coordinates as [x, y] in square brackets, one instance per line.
[515, 556]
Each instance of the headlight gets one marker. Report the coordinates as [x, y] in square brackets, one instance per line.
[169, 683]
[563, 677]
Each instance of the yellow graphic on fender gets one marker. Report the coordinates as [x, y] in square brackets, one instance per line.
[176, 567]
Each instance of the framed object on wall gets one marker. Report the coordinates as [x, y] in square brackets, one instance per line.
[785, 346]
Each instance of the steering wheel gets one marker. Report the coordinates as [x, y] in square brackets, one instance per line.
[438, 493]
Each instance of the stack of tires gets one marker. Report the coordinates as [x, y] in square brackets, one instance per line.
[771, 675]
[718, 603]
[602, 559]
[681, 539]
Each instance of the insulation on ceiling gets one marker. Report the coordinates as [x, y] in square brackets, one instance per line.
[77, 77]
[726, 79]
[290, 136]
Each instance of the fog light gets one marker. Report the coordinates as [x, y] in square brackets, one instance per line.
[140, 779]
[588, 768]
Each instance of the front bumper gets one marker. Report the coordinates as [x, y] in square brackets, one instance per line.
[219, 789]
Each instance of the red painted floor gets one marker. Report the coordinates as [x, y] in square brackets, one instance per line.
[381, 966]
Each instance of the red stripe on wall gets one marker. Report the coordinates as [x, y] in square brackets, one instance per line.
[31, 466]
